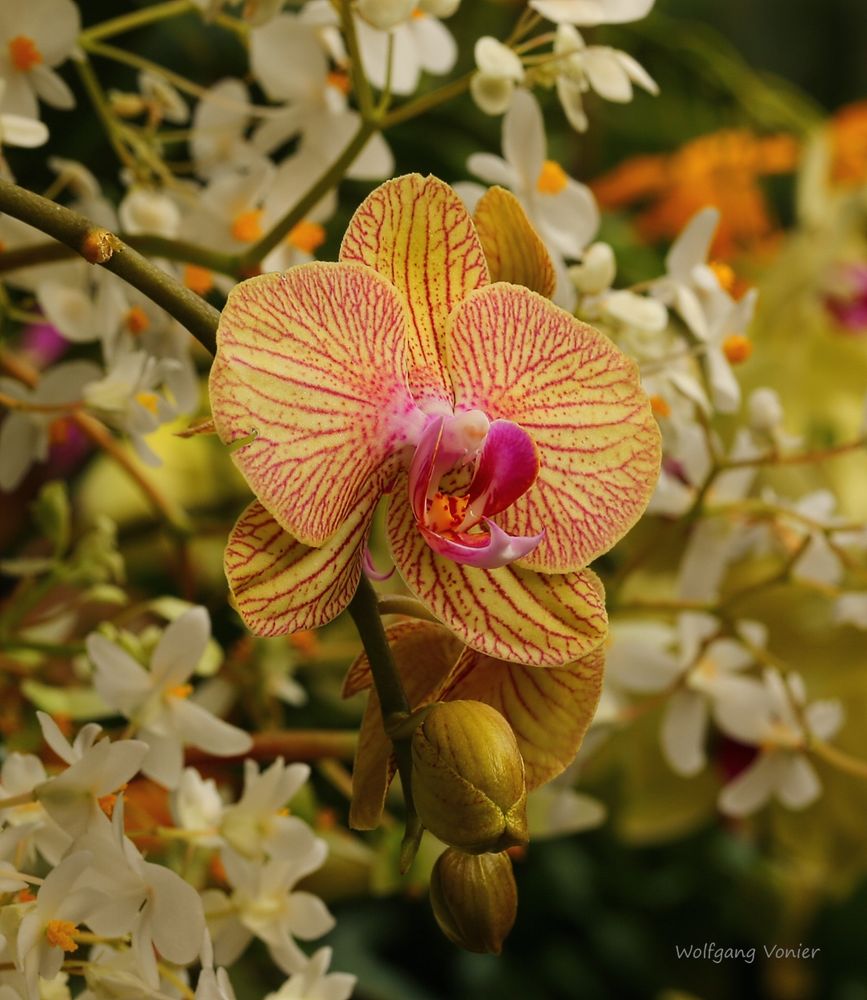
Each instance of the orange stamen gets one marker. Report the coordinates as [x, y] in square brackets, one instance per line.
[737, 348]
[137, 320]
[24, 896]
[24, 53]
[58, 430]
[552, 178]
[247, 227]
[340, 81]
[180, 691]
[306, 236]
[198, 279]
[306, 641]
[447, 512]
[59, 934]
[660, 406]
[148, 400]
[725, 275]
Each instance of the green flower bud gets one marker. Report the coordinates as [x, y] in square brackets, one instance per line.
[474, 899]
[468, 777]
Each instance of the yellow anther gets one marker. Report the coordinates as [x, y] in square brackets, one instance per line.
[446, 512]
[725, 275]
[148, 400]
[737, 348]
[552, 178]
[659, 405]
[24, 896]
[59, 934]
[339, 80]
[137, 320]
[198, 279]
[306, 236]
[180, 691]
[107, 802]
[247, 227]
[24, 53]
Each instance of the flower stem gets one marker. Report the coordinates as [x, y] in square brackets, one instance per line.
[838, 759]
[400, 604]
[798, 458]
[99, 246]
[427, 102]
[293, 744]
[137, 19]
[332, 176]
[25, 798]
[364, 608]
[360, 83]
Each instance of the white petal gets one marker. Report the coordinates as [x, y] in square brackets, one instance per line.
[593, 12]
[637, 73]
[497, 60]
[177, 916]
[493, 170]
[693, 244]
[52, 88]
[120, 681]
[16, 130]
[606, 75]
[309, 917]
[799, 785]
[524, 138]
[165, 758]
[436, 45]
[683, 734]
[752, 788]
[287, 59]
[180, 648]
[205, 731]
[21, 441]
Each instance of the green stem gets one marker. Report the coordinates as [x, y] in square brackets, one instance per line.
[138, 19]
[153, 246]
[798, 458]
[99, 246]
[100, 104]
[332, 176]
[140, 62]
[360, 83]
[427, 102]
[364, 608]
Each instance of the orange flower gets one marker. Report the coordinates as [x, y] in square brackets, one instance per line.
[720, 169]
[849, 145]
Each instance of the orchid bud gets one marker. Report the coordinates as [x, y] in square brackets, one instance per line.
[468, 777]
[474, 899]
[385, 14]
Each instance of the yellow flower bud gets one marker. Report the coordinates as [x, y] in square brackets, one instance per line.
[474, 899]
[468, 777]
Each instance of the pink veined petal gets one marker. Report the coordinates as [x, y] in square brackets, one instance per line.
[311, 362]
[579, 399]
[511, 613]
[281, 585]
[417, 233]
[486, 550]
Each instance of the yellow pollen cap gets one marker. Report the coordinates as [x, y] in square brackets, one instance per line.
[148, 400]
[59, 934]
[737, 348]
[247, 227]
[198, 279]
[660, 406]
[306, 236]
[552, 178]
[24, 53]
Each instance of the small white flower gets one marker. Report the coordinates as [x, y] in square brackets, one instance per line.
[263, 904]
[218, 137]
[562, 211]
[213, 984]
[579, 68]
[499, 69]
[197, 807]
[95, 769]
[46, 932]
[34, 38]
[385, 14]
[592, 12]
[781, 770]
[25, 436]
[315, 982]
[157, 700]
[257, 823]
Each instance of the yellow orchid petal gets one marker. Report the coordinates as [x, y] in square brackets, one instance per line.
[424, 654]
[511, 613]
[281, 585]
[310, 368]
[513, 249]
[416, 232]
[549, 710]
[579, 398]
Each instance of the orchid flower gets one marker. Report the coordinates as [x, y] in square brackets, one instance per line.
[515, 442]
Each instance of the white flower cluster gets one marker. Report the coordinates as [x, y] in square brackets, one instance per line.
[143, 922]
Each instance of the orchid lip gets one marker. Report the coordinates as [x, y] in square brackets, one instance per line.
[506, 466]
